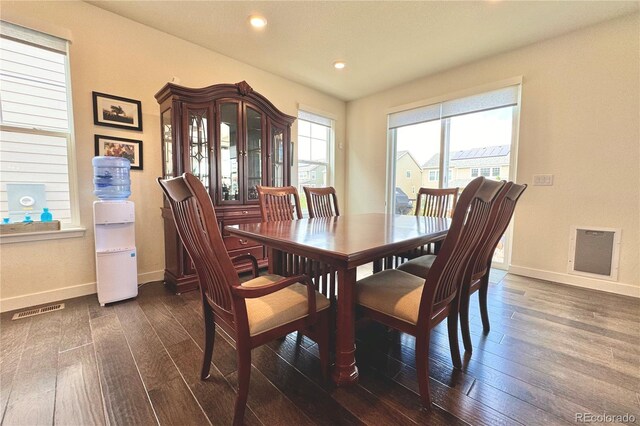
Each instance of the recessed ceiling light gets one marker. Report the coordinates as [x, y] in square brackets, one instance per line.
[339, 65]
[257, 21]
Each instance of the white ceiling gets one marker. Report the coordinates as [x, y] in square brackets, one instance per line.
[384, 43]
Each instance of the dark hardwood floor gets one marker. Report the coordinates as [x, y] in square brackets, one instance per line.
[554, 351]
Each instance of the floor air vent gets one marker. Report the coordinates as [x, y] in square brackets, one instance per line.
[594, 252]
[38, 311]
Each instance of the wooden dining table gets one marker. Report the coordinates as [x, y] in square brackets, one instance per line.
[330, 250]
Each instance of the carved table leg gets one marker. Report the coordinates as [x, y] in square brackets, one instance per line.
[345, 371]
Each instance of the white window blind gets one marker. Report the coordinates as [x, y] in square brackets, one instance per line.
[314, 118]
[35, 112]
[29, 36]
[506, 96]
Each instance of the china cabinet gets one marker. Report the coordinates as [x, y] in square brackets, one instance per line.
[232, 138]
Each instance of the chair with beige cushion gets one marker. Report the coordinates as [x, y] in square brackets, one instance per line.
[432, 202]
[478, 273]
[252, 313]
[414, 305]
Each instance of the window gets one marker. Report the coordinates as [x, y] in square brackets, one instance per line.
[36, 141]
[408, 174]
[315, 140]
[467, 137]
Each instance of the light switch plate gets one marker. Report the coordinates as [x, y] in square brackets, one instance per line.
[543, 180]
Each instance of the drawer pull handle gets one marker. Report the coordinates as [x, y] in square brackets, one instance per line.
[243, 242]
[245, 212]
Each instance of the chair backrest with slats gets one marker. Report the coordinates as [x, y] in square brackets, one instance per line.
[506, 205]
[198, 228]
[279, 203]
[436, 202]
[322, 202]
[469, 221]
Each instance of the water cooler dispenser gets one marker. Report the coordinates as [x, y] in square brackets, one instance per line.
[114, 230]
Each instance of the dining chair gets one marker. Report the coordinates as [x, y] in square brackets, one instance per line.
[436, 202]
[252, 313]
[477, 275]
[279, 203]
[415, 305]
[432, 202]
[480, 269]
[322, 202]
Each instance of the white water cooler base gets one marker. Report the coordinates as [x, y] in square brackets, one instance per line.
[117, 275]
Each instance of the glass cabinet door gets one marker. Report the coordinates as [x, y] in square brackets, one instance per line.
[198, 135]
[167, 144]
[253, 152]
[277, 156]
[229, 153]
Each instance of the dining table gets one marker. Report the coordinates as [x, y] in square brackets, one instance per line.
[330, 249]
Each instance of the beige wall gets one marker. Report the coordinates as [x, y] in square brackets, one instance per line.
[114, 55]
[579, 121]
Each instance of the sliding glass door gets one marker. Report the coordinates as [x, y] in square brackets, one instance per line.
[448, 144]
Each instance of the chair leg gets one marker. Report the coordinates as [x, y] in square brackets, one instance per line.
[209, 337]
[482, 297]
[454, 348]
[422, 367]
[244, 373]
[464, 320]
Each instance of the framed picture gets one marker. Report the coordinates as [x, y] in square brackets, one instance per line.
[130, 149]
[114, 111]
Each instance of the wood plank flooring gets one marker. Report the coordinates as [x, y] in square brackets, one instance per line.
[553, 351]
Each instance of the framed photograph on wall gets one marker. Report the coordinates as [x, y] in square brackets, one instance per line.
[114, 111]
[130, 149]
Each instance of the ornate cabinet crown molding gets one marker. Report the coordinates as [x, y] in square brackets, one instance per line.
[243, 88]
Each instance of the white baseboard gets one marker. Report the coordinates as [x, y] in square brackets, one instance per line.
[50, 296]
[578, 281]
[148, 277]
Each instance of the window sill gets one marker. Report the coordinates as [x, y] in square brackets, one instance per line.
[42, 236]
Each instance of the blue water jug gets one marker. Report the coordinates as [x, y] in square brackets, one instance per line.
[111, 178]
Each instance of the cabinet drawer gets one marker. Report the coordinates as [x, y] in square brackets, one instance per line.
[231, 214]
[257, 252]
[234, 243]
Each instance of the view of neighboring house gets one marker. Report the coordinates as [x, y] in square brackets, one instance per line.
[312, 175]
[465, 165]
[408, 174]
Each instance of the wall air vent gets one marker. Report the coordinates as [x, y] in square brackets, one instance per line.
[594, 252]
